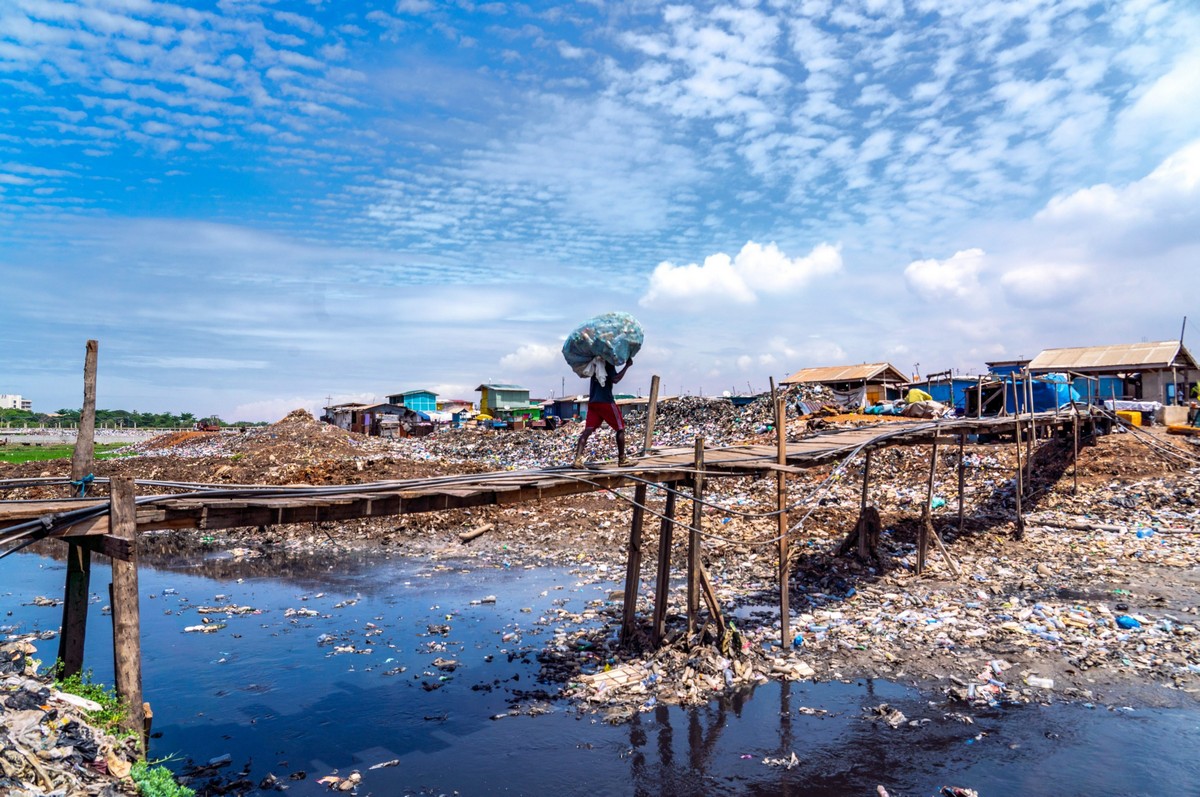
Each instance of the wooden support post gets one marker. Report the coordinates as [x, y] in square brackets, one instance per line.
[781, 506]
[962, 467]
[926, 519]
[633, 568]
[662, 585]
[126, 616]
[1020, 530]
[979, 404]
[79, 558]
[75, 606]
[860, 530]
[1075, 440]
[651, 416]
[693, 570]
[85, 440]
[1032, 428]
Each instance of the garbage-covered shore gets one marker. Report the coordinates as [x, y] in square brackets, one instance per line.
[1097, 603]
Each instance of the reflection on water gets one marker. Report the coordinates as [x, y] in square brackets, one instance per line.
[348, 680]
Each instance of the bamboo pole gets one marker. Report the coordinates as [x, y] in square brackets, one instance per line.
[79, 558]
[663, 584]
[781, 508]
[1075, 439]
[126, 616]
[693, 575]
[651, 416]
[633, 569]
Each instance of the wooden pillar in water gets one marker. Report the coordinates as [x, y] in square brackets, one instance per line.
[693, 569]
[126, 614]
[651, 416]
[662, 584]
[633, 569]
[781, 506]
[79, 557]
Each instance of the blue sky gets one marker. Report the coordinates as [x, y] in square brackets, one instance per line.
[256, 205]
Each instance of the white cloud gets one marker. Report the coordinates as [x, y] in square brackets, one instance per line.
[956, 277]
[756, 270]
[532, 356]
[1043, 284]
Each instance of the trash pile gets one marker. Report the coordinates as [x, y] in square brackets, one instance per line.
[47, 744]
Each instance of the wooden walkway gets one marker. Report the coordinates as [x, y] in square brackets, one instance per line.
[224, 507]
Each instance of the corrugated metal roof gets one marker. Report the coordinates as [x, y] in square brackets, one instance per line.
[502, 387]
[847, 373]
[1128, 356]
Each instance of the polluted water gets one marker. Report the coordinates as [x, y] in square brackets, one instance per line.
[389, 676]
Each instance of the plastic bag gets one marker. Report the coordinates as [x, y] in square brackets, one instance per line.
[613, 337]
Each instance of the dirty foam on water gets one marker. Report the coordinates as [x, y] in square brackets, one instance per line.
[331, 669]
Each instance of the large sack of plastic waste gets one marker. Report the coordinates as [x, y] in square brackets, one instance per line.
[612, 337]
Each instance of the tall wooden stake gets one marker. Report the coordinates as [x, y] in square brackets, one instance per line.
[85, 441]
[651, 416]
[633, 568]
[79, 558]
[781, 506]
[962, 467]
[663, 583]
[126, 615]
[1075, 440]
[863, 548]
[1020, 530]
[926, 520]
[693, 573]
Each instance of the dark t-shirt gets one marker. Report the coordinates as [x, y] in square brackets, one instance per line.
[603, 394]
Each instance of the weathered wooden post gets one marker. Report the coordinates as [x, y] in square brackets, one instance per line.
[651, 416]
[781, 507]
[126, 613]
[1020, 529]
[633, 568]
[79, 557]
[693, 572]
[662, 585]
[962, 466]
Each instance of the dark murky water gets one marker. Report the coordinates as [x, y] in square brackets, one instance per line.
[272, 691]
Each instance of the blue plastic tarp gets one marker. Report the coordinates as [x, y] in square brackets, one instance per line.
[1050, 391]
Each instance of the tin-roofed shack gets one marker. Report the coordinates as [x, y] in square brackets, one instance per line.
[854, 385]
[379, 420]
[1162, 371]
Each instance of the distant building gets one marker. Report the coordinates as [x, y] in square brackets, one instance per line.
[10, 401]
[854, 385]
[456, 406]
[1162, 371]
[380, 420]
[503, 401]
[1006, 367]
[419, 400]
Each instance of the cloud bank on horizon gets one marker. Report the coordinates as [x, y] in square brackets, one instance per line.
[256, 206]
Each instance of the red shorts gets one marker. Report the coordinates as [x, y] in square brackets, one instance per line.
[607, 413]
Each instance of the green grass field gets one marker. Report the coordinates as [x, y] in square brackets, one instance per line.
[15, 452]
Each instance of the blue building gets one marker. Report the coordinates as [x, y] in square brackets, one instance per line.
[949, 390]
[416, 400]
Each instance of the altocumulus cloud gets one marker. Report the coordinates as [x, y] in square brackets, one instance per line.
[741, 279]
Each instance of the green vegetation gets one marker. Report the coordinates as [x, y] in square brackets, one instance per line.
[111, 713]
[15, 452]
[124, 419]
[157, 781]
